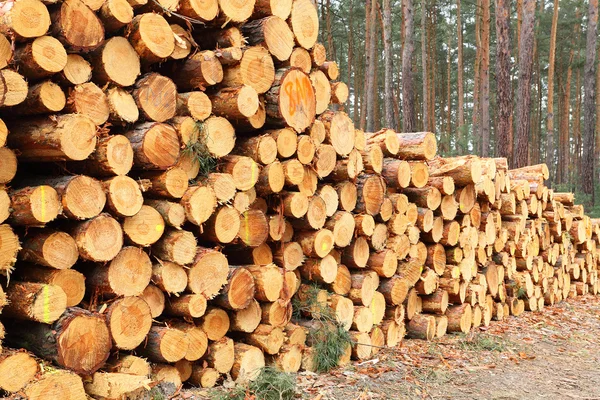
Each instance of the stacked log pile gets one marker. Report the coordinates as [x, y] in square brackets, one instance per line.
[177, 173]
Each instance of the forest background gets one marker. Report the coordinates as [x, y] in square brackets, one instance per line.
[496, 78]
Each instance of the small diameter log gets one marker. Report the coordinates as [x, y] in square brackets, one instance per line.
[204, 11]
[14, 88]
[384, 263]
[421, 327]
[155, 298]
[279, 8]
[186, 305]
[113, 385]
[435, 303]
[34, 205]
[395, 289]
[208, 273]
[49, 248]
[145, 227]
[339, 92]
[194, 104]
[371, 192]
[289, 359]
[244, 170]
[268, 281]
[239, 291]
[113, 156]
[9, 247]
[165, 344]
[199, 202]
[247, 319]
[364, 285]
[198, 341]
[60, 383]
[79, 340]
[115, 14]
[169, 277]
[129, 320]
[223, 226]
[176, 246]
[127, 275]
[459, 318]
[234, 12]
[70, 281]
[99, 239]
[172, 183]
[122, 107]
[464, 170]
[76, 72]
[8, 165]
[17, 369]
[124, 197]
[116, 61]
[203, 377]
[291, 100]
[65, 137]
[89, 100]
[304, 21]
[322, 88]
[156, 97]
[67, 22]
[316, 243]
[151, 37]
[338, 128]
[253, 228]
[272, 33]
[248, 363]
[27, 20]
[342, 224]
[300, 58]
[343, 281]
[417, 146]
[34, 302]
[200, 71]
[278, 313]
[361, 345]
[267, 338]
[43, 98]
[172, 213]
[323, 270]
[155, 146]
[325, 160]
[166, 373]
[262, 149]
[215, 323]
[129, 364]
[356, 255]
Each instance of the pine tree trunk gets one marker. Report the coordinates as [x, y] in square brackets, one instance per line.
[589, 104]
[425, 78]
[459, 81]
[389, 67]
[503, 85]
[371, 66]
[524, 90]
[550, 96]
[485, 79]
[408, 106]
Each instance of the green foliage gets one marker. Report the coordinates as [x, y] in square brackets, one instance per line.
[198, 150]
[329, 339]
[484, 342]
[271, 384]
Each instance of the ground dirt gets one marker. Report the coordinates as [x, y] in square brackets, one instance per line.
[553, 354]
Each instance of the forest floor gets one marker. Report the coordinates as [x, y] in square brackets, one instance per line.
[553, 354]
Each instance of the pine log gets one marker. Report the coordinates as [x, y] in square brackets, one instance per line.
[129, 320]
[199, 71]
[43, 98]
[113, 385]
[155, 299]
[248, 363]
[238, 292]
[151, 37]
[304, 21]
[156, 96]
[9, 247]
[34, 205]
[198, 341]
[65, 137]
[422, 327]
[165, 344]
[127, 274]
[70, 281]
[272, 33]
[79, 340]
[208, 273]
[50, 248]
[26, 20]
[356, 255]
[99, 239]
[215, 323]
[116, 61]
[322, 88]
[155, 146]
[67, 22]
[268, 281]
[172, 213]
[115, 14]
[76, 72]
[364, 285]
[14, 88]
[371, 192]
[204, 11]
[122, 107]
[459, 318]
[291, 100]
[124, 197]
[17, 369]
[145, 227]
[58, 384]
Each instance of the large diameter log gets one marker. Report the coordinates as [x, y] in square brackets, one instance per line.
[291, 100]
[165, 344]
[273, 33]
[155, 146]
[41, 58]
[279, 8]
[26, 20]
[129, 320]
[208, 273]
[199, 71]
[204, 11]
[235, 12]
[128, 274]
[82, 197]
[79, 340]
[64, 137]
[156, 97]
[67, 22]
[34, 205]
[35, 302]
[70, 281]
[116, 61]
[50, 248]
[99, 239]
[304, 21]
[151, 37]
